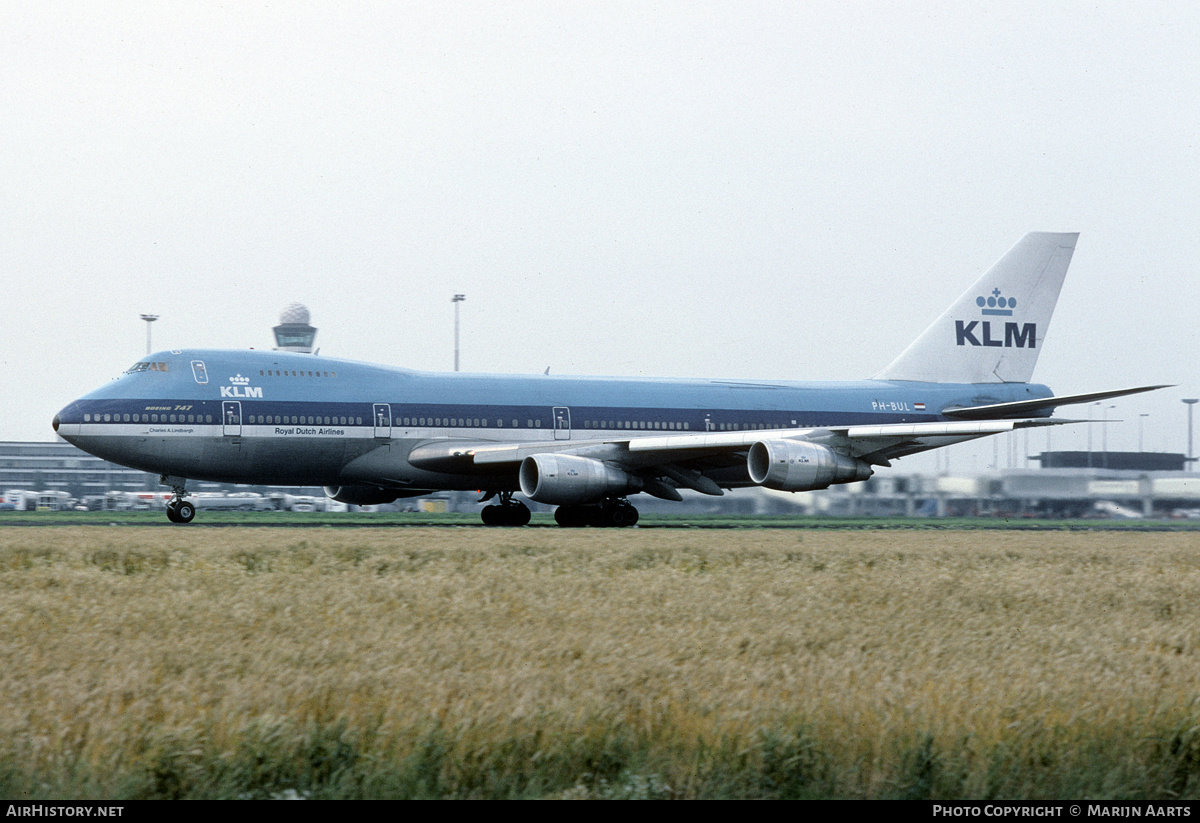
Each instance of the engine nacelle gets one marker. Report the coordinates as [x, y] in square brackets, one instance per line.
[565, 479]
[362, 495]
[800, 466]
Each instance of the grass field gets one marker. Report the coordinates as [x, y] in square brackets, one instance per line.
[319, 662]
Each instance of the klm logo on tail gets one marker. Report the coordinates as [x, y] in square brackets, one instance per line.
[1016, 335]
[994, 331]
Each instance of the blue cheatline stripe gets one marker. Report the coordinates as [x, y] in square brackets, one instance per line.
[589, 418]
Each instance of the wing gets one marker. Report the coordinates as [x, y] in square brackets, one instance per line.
[798, 459]
[709, 461]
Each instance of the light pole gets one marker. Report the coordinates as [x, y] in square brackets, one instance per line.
[149, 318]
[1104, 436]
[456, 299]
[1191, 401]
[1097, 403]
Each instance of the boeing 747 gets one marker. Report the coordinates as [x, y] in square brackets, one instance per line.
[372, 434]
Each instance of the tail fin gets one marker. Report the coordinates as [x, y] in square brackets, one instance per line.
[993, 333]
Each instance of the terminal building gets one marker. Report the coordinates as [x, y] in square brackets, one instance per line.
[60, 467]
[1068, 485]
[54, 473]
[1125, 489]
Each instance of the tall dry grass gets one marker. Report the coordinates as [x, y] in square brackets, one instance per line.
[540, 662]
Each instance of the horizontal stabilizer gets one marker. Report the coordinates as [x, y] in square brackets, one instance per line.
[1025, 408]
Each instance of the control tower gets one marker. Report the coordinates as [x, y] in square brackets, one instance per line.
[294, 332]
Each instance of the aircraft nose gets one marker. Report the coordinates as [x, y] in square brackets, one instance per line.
[66, 424]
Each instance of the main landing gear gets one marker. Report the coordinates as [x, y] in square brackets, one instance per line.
[615, 511]
[178, 509]
[507, 513]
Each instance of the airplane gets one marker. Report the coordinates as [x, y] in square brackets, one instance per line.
[371, 434]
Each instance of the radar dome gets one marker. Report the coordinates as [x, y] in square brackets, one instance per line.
[295, 313]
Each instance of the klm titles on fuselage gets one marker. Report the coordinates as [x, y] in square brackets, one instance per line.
[241, 388]
[242, 391]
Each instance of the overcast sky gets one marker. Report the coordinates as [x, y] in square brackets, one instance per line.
[768, 190]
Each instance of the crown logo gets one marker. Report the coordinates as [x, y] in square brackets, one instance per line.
[240, 381]
[996, 305]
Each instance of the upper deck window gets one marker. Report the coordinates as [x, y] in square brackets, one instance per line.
[146, 365]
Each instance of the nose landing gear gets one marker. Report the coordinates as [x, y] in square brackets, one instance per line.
[178, 509]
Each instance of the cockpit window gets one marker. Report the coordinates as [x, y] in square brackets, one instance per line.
[146, 365]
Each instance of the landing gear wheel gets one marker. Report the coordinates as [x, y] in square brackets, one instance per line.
[618, 513]
[622, 515]
[185, 511]
[520, 514]
[507, 513]
[180, 511]
[610, 513]
[573, 517]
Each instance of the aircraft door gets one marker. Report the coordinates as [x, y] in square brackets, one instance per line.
[383, 420]
[199, 372]
[562, 423]
[231, 418]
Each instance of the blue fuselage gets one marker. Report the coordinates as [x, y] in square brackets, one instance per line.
[275, 418]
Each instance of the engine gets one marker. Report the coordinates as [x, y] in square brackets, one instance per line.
[363, 495]
[564, 479]
[799, 466]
